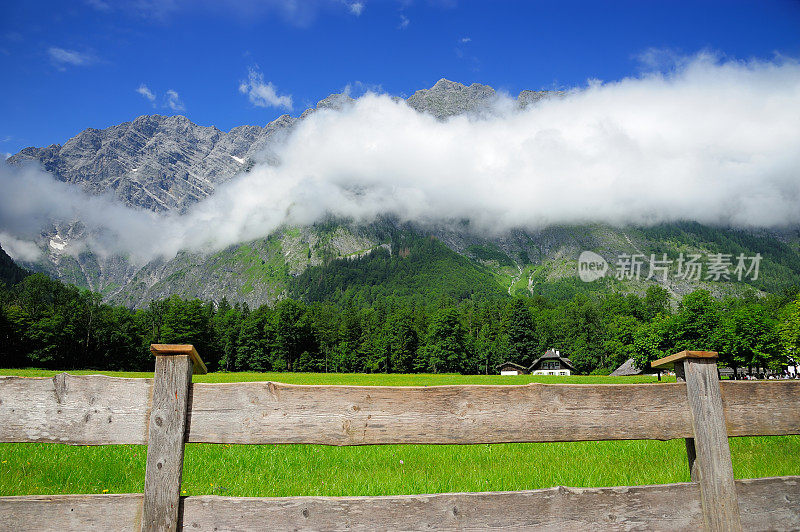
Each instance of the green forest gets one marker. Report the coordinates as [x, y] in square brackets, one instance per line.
[394, 323]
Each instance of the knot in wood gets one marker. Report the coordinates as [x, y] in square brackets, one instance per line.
[60, 386]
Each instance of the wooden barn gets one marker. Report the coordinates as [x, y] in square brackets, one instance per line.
[627, 369]
[509, 368]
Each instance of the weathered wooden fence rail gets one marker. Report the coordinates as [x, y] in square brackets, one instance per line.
[167, 411]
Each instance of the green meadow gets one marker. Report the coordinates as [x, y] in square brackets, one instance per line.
[286, 470]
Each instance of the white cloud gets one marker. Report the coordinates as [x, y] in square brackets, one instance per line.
[712, 142]
[404, 22]
[7, 155]
[33, 199]
[19, 250]
[356, 8]
[465, 40]
[62, 57]
[174, 101]
[263, 94]
[145, 91]
[171, 98]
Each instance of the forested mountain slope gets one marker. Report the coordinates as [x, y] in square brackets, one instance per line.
[10, 273]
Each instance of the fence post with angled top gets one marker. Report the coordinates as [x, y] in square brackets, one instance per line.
[711, 466]
[165, 441]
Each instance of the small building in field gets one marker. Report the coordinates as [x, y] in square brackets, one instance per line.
[627, 369]
[509, 368]
[551, 363]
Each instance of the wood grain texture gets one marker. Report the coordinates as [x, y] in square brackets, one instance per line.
[96, 410]
[683, 355]
[765, 503]
[713, 466]
[771, 503]
[268, 412]
[79, 410]
[554, 509]
[167, 433]
[691, 454]
[766, 408]
[71, 512]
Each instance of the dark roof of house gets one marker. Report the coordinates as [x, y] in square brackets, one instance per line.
[510, 364]
[551, 354]
[627, 368]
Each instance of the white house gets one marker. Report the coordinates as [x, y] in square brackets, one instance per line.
[551, 363]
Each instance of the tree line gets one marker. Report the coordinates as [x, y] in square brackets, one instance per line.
[47, 324]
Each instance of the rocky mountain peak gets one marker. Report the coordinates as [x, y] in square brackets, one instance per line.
[446, 84]
[157, 162]
[527, 97]
[166, 163]
[449, 98]
[335, 102]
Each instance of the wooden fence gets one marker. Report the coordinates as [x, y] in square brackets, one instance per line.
[168, 410]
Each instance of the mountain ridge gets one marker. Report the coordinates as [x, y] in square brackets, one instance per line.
[168, 163]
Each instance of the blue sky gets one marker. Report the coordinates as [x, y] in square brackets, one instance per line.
[71, 65]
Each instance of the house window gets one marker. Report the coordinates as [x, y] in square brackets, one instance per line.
[550, 364]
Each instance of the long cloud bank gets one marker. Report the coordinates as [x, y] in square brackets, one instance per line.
[713, 141]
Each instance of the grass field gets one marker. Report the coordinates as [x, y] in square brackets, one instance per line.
[271, 470]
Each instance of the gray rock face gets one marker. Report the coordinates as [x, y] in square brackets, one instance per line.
[527, 97]
[448, 98]
[335, 102]
[156, 162]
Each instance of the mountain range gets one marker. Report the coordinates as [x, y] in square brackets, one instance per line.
[167, 164]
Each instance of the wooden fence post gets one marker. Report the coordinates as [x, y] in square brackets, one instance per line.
[171, 385]
[691, 453]
[711, 466]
